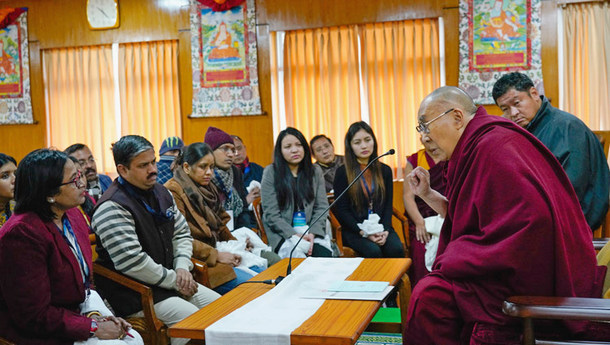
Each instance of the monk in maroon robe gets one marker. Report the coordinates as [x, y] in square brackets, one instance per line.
[513, 226]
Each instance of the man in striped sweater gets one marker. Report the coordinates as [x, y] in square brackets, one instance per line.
[140, 233]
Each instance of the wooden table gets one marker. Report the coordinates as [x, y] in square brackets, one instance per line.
[336, 322]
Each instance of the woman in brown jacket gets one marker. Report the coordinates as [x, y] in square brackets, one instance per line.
[197, 199]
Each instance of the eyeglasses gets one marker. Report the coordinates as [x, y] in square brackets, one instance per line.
[84, 162]
[422, 128]
[76, 180]
[227, 150]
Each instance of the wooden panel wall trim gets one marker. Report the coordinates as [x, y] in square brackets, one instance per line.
[62, 23]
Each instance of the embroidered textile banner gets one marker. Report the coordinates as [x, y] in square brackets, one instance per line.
[224, 61]
[15, 100]
[496, 37]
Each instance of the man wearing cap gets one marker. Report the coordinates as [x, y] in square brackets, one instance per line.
[228, 178]
[170, 148]
[96, 183]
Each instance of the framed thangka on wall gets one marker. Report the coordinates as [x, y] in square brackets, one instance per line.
[15, 100]
[224, 58]
[496, 37]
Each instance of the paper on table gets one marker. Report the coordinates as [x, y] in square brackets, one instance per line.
[358, 286]
[364, 296]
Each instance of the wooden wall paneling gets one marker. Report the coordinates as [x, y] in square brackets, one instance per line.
[303, 14]
[549, 37]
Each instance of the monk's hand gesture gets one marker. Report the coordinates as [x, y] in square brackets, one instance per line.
[419, 181]
[421, 233]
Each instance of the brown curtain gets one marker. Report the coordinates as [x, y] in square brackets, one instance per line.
[80, 101]
[374, 72]
[586, 67]
[400, 66]
[321, 81]
[148, 84]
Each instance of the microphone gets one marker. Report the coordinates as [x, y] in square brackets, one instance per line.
[289, 268]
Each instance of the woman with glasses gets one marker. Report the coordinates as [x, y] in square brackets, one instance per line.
[198, 200]
[8, 165]
[292, 195]
[45, 262]
[369, 200]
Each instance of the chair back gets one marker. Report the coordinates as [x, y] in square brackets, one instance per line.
[603, 259]
[604, 139]
[258, 214]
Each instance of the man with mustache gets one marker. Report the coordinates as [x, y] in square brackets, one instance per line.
[573, 144]
[96, 183]
[141, 234]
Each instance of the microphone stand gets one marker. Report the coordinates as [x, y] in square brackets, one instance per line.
[289, 268]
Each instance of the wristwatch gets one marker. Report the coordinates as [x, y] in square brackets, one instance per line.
[93, 328]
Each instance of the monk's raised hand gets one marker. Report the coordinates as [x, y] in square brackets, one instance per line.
[419, 181]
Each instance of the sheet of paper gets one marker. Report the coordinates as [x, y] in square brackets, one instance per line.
[358, 286]
[365, 296]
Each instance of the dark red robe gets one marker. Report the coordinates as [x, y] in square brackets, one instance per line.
[513, 227]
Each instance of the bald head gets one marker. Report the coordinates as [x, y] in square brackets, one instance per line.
[444, 115]
[449, 97]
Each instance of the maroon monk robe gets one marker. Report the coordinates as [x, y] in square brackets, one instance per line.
[513, 227]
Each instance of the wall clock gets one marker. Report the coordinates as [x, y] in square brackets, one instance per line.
[103, 14]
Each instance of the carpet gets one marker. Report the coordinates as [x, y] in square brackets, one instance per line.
[379, 339]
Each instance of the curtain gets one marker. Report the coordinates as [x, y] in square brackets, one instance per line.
[80, 101]
[321, 81]
[586, 67]
[377, 73]
[400, 66]
[148, 85]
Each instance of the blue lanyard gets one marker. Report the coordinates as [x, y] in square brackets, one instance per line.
[67, 229]
[229, 193]
[369, 192]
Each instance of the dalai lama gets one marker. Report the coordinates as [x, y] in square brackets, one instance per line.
[513, 226]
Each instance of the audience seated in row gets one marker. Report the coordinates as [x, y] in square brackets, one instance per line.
[8, 166]
[198, 200]
[141, 234]
[45, 262]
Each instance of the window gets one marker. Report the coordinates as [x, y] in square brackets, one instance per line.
[96, 94]
[325, 79]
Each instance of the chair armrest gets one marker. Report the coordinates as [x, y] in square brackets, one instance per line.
[336, 231]
[568, 308]
[404, 223]
[144, 291]
[200, 272]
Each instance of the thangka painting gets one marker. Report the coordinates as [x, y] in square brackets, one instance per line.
[224, 60]
[15, 101]
[496, 37]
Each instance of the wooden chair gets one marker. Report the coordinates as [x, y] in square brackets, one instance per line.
[152, 330]
[604, 138]
[258, 214]
[559, 308]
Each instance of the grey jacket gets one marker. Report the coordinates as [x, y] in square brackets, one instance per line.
[278, 223]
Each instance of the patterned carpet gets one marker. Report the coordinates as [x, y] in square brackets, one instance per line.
[379, 339]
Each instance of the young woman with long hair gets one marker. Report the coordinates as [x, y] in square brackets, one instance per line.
[293, 194]
[8, 166]
[372, 195]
